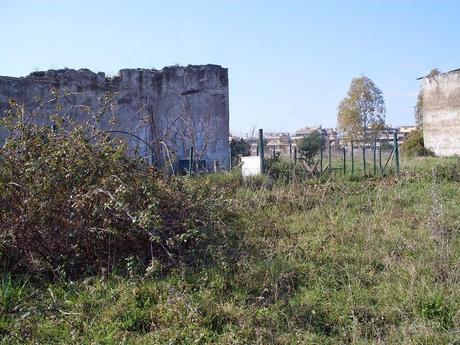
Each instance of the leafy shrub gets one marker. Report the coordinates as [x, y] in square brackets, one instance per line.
[284, 170]
[414, 145]
[73, 204]
[238, 148]
[309, 146]
[450, 172]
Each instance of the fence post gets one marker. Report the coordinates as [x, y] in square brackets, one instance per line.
[344, 161]
[396, 148]
[352, 159]
[274, 151]
[190, 162]
[295, 155]
[330, 158]
[321, 156]
[261, 150]
[380, 159]
[375, 157]
[364, 158]
[290, 151]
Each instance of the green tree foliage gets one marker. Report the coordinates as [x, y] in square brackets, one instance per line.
[309, 146]
[239, 147]
[363, 109]
[414, 145]
[418, 110]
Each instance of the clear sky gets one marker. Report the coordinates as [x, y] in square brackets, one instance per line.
[290, 62]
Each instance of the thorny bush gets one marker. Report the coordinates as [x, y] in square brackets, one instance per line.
[73, 201]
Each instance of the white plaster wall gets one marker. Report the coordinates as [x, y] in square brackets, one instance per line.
[441, 108]
[250, 166]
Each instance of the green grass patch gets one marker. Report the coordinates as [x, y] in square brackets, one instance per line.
[325, 261]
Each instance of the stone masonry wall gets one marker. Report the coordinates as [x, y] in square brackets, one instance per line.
[180, 106]
[441, 109]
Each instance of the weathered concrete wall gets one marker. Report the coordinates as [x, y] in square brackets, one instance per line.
[441, 113]
[181, 106]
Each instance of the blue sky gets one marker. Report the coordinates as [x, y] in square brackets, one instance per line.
[290, 62]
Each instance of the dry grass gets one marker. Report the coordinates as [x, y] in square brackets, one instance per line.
[327, 261]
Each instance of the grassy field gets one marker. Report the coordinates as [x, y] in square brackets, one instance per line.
[326, 261]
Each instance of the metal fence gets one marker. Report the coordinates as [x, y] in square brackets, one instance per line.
[356, 158]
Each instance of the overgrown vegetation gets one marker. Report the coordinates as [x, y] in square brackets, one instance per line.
[418, 110]
[263, 261]
[239, 147]
[414, 145]
[309, 146]
[73, 202]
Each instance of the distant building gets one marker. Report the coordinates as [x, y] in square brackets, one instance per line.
[404, 131]
[328, 134]
[278, 143]
[283, 143]
[331, 135]
[303, 132]
[384, 135]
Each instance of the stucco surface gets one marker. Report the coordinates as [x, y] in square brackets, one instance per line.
[441, 113]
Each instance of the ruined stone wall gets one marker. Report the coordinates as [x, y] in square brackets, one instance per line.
[441, 109]
[180, 106]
